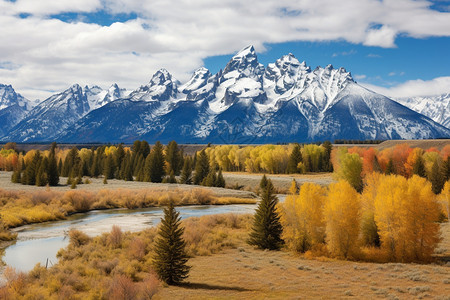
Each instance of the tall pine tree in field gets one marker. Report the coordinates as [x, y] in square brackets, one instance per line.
[294, 159]
[52, 169]
[170, 254]
[186, 173]
[201, 167]
[156, 163]
[174, 158]
[266, 231]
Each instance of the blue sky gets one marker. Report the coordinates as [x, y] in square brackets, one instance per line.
[397, 47]
[411, 59]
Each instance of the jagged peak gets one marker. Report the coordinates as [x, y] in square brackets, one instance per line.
[247, 51]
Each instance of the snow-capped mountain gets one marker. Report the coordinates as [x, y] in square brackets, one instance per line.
[434, 107]
[244, 103]
[13, 108]
[58, 112]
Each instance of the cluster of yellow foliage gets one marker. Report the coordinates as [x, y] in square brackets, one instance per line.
[271, 159]
[394, 219]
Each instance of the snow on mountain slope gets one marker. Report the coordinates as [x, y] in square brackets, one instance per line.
[436, 108]
[58, 112]
[244, 103]
[13, 108]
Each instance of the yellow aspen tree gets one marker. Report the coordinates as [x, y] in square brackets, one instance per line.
[388, 212]
[421, 230]
[302, 218]
[406, 212]
[342, 217]
[369, 229]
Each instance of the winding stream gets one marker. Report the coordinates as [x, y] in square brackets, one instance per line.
[39, 243]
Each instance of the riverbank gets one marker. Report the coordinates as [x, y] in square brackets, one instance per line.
[42, 204]
[225, 267]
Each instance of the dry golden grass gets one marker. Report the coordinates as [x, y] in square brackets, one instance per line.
[19, 208]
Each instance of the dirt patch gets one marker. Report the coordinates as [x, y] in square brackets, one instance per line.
[424, 144]
[246, 273]
[282, 182]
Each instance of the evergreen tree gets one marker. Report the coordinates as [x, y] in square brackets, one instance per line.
[72, 159]
[263, 183]
[390, 167]
[211, 179]
[419, 167]
[108, 168]
[170, 254]
[174, 158]
[376, 165]
[41, 175]
[446, 169]
[60, 166]
[201, 167]
[328, 166]
[16, 176]
[145, 149]
[52, 170]
[267, 229]
[186, 173]
[436, 178]
[32, 169]
[220, 180]
[294, 159]
[156, 162]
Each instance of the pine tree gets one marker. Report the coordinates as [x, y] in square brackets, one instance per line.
[263, 183]
[267, 229]
[211, 179]
[390, 167]
[186, 173]
[156, 163]
[108, 168]
[41, 175]
[436, 178]
[294, 159]
[220, 182]
[52, 170]
[201, 167]
[60, 166]
[16, 176]
[170, 254]
[145, 149]
[174, 158]
[419, 167]
[32, 169]
[328, 166]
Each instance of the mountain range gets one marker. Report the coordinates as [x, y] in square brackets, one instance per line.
[246, 102]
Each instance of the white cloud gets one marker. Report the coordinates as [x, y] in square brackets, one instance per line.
[178, 34]
[412, 88]
[382, 37]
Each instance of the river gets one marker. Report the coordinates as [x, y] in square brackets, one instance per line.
[39, 243]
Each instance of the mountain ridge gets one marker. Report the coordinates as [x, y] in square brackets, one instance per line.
[245, 102]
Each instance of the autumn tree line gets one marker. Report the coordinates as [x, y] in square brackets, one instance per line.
[139, 162]
[354, 164]
[395, 219]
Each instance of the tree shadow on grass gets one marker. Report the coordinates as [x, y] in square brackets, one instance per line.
[205, 286]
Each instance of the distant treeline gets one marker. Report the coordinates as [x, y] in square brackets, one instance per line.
[140, 162]
[355, 142]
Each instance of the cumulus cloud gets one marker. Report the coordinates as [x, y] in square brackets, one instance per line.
[179, 34]
[412, 88]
